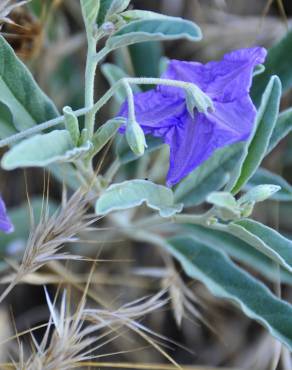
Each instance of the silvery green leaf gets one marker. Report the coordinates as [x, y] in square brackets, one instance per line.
[260, 68]
[105, 133]
[42, 150]
[225, 204]
[6, 122]
[222, 199]
[240, 251]
[71, 124]
[226, 280]
[20, 93]
[210, 176]
[264, 239]
[264, 176]
[259, 193]
[257, 145]
[169, 28]
[117, 6]
[90, 9]
[282, 128]
[137, 14]
[133, 193]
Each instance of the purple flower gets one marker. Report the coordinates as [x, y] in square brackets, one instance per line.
[162, 112]
[5, 223]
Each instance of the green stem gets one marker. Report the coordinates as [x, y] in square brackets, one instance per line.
[92, 61]
[90, 70]
[38, 128]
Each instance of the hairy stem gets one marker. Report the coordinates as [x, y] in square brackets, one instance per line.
[38, 128]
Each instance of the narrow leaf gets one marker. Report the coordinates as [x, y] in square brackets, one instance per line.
[105, 133]
[282, 128]
[226, 280]
[265, 240]
[258, 143]
[240, 251]
[133, 193]
[212, 175]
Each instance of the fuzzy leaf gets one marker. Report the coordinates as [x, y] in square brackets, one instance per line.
[20, 93]
[105, 133]
[226, 280]
[257, 145]
[209, 176]
[265, 240]
[282, 128]
[133, 193]
[169, 28]
[240, 251]
[42, 150]
[90, 9]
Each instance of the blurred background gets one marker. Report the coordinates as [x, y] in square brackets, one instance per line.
[52, 43]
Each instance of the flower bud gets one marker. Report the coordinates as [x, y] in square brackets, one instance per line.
[108, 27]
[135, 138]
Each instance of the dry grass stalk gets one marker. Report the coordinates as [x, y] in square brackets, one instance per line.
[51, 234]
[73, 339]
[69, 343]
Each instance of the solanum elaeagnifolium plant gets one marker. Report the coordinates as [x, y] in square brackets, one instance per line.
[219, 120]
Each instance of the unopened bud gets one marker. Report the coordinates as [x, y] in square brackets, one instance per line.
[71, 124]
[108, 27]
[136, 138]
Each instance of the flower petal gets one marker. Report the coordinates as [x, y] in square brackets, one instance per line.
[5, 223]
[195, 140]
[155, 112]
[222, 80]
[231, 78]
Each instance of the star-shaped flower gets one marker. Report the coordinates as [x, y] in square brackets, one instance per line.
[5, 223]
[193, 138]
